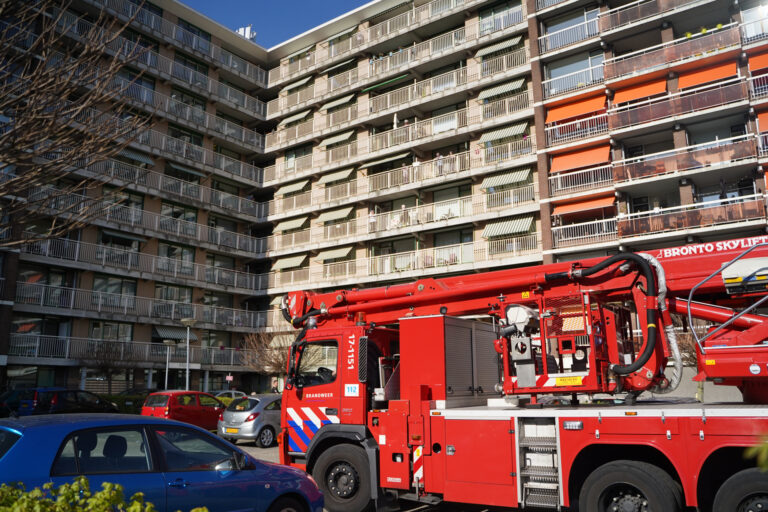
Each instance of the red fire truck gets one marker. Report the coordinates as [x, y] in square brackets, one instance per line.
[521, 387]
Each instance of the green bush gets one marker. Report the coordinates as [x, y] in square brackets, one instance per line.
[128, 404]
[74, 497]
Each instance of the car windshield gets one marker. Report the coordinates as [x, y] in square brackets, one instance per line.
[243, 404]
[156, 401]
[7, 439]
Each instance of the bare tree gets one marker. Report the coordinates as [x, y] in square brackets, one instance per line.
[110, 358]
[266, 354]
[62, 113]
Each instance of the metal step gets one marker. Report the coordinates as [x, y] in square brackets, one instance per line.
[540, 442]
[545, 472]
[542, 498]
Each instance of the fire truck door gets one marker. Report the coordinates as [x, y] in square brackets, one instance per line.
[315, 399]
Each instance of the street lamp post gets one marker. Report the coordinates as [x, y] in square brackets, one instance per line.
[168, 344]
[188, 323]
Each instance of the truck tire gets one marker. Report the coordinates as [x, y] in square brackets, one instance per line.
[287, 504]
[343, 475]
[629, 486]
[745, 490]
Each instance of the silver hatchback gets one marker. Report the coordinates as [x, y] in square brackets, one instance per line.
[254, 418]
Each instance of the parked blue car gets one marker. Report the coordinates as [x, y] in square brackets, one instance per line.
[178, 466]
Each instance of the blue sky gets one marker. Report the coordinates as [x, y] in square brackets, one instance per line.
[274, 21]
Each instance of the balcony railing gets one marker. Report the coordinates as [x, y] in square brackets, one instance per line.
[576, 130]
[431, 47]
[638, 11]
[691, 216]
[543, 4]
[374, 34]
[697, 46]
[686, 102]
[419, 90]
[585, 233]
[720, 153]
[78, 350]
[76, 27]
[571, 182]
[173, 31]
[74, 299]
[754, 31]
[133, 261]
[568, 36]
[573, 81]
[758, 87]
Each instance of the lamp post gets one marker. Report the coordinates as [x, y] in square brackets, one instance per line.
[168, 344]
[188, 323]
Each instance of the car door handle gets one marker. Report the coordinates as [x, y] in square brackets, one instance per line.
[332, 412]
[178, 483]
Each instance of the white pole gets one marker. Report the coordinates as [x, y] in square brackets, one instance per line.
[167, 363]
[187, 388]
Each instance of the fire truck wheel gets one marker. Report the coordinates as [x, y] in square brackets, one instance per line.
[266, 437]
[629, 486]
[287, 504]
[746, 490]
[343, 475]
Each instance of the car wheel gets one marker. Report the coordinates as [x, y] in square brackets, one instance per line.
[287, 504]
[746, 490]
[343, 475]
[266, 437]
[629, 485]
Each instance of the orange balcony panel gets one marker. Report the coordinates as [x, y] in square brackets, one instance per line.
[589, 157]
[708, 74]
[636, 92]
[758, 61]
[583, 206]
[579, 108]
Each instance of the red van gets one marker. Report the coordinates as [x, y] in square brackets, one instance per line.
[193, 407]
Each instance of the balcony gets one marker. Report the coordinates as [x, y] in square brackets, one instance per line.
[638, 12]
[571, 82]
[568, 36]
[178, 35]
[585, 233]
[155, 62]
[564, 183]
[692, 216]
[670, 106]
[758, 87]
[702, 157]
[584, 128]
[103, 257]
[62, 300]
[754, 31]
[545, 4]
[372, 35]
[77, 350]
[695, 47]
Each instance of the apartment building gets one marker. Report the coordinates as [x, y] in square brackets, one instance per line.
[401, 140]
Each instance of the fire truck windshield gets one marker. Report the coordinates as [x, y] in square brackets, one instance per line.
[317, 363]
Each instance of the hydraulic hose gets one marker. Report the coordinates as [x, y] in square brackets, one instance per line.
[647, 272]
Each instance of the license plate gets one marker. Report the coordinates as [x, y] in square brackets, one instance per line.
[231, 430]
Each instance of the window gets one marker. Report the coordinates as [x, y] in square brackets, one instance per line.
[180, 104]
[137, 86]
[217, 299]
[173, 293]
[317, 363]
[187, 450]
[124, 198]
[217, 339]
[193, 36]
[227, 152]
[274, 406]
[219, 261]
[208, 401]
[185, 135]
[179, 212]
[191, 63]
[93, 452]
[116, 285]
[113, 331]
[500, 16]
[7, 440]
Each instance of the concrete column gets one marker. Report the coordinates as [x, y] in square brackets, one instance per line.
[205, 380]
[150, 378]
[83, 374]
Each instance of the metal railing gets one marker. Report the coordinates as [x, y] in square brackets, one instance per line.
[543, 4]
[75, 299]
[636, 12]
[39, 346]
[688, 101]
[718, 153]
[603, 230]
[754, 31]
[574, 130]
[689, 216]
[178, 34]
[758, 87]
[696, 46]
[573, 81]
[568, 36]
[569, 182]
[133, 261]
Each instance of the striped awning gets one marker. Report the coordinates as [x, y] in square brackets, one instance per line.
[136, 155]
[332, 254]
[172, 333]
[294, 117]
[337, 138]
[499, 180]
[382, 84]
[508, 226]
[299, 52]
[335, 176]
[181, 168]
[296, 84]
[339, 65]
[501, 89]
[502, 133]
[288, 225]
[293, 187]
[503, 45]
[290, 262]
[336, 103]
[334, 214]
[342, 33]
[387, 159]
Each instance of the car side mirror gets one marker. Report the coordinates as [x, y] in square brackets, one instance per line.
[227, 465]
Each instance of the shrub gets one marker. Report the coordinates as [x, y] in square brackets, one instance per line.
[128, 404]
